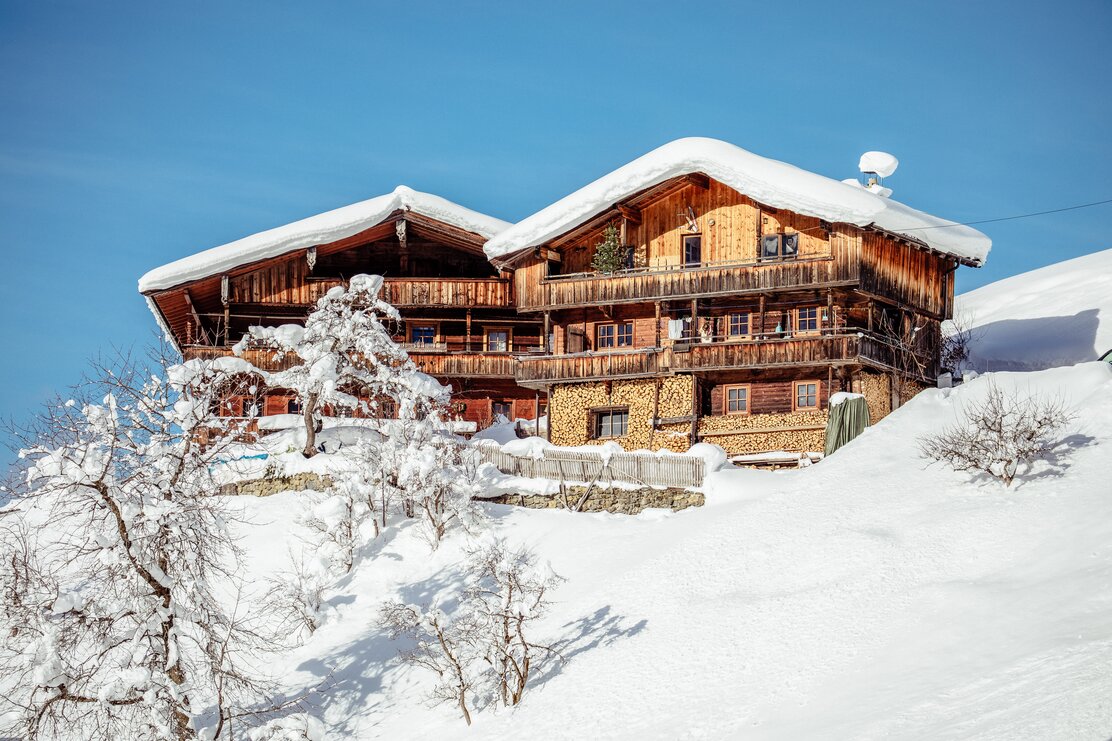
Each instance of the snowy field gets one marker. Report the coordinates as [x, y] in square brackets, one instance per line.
[1057, 315]
[869, 597]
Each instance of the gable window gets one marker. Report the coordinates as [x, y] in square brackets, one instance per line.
[692, 250]
[737, 399]
[807, 320]
[779, 246]
[498, 340]
[610, 423]
[806, 395]
[739, 325]
[422, 334]
[614, 335]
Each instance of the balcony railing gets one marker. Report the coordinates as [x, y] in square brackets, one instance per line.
[453, 292]
[261, 358]
[465, 365]
[677, 282]
[625, 364]
[709, 354]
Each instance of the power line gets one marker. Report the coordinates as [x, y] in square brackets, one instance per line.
[1006, 218]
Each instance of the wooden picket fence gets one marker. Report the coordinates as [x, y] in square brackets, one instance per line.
[574, 465]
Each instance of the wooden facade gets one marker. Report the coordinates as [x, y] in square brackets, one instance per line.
[459, 321]
[705, 334]
[766, 338]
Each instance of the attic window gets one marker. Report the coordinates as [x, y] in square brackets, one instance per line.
[692, 250]
[779, 246]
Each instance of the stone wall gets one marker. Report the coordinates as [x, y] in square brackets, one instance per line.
[570, 415]
[618, 501]
[766, 432]
[266, 487]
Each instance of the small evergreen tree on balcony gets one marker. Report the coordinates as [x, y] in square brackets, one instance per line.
[609, 253]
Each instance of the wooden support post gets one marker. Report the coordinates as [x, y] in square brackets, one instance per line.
[403, 245]
[869, 308]
[829, 309]
[548, 411]
[657, 341]
[545, 341]
[537, 408]
[694, 318]
[829, 383]
[467, 341]
[761, 321]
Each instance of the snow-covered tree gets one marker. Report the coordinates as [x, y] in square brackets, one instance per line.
[348, 358]
[114, 623]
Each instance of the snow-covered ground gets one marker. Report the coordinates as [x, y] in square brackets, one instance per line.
[868, 597]
[1057, 315]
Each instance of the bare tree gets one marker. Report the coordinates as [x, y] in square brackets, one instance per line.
[509, 594]
[1000, 434]
[448, 647]
[484, 651]
[957, 341]
[113, 624]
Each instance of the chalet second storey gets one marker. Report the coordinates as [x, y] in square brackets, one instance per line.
[748, 292]
[459, 320]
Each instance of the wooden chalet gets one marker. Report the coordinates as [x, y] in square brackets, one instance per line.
[459, 319]
[751, 291]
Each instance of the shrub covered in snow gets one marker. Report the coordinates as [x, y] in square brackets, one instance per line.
[1000, 434]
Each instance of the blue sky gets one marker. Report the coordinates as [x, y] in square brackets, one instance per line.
[134, 134]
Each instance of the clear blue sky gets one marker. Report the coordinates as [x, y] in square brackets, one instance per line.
[134, 134]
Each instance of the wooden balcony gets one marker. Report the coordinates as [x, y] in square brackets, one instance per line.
[827, 349]
[465, 364]
[449, 292]
[698, 357]
[650, 284]
[261, 358]
[454, 292]
[540, 370]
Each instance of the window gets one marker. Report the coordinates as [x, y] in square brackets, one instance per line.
[807, 320]
[614, 335]
[293, 407]
[692, 249]
[501, 409]
[611, 423]
[779, 246]
[498, 340]
[422, 334]
[737, 399]
[388, 409]
[629, 257]
[739, 325]
[806, 395]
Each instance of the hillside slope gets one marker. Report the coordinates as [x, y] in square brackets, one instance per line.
[868, 597]
[1057, 315]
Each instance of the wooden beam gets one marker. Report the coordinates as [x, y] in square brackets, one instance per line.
[196, 317]
[630, 214]
[699, 180]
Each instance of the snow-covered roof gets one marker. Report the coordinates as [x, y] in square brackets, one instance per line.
[320, 229]
[768, 181]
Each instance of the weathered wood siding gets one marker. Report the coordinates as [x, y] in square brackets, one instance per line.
[915, 278]
[766, 397]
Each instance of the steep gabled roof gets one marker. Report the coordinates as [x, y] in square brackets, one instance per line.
[767, 181]
[320, 229]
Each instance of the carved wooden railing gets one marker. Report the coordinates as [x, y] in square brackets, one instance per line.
[455, 292]
[261, 358]
[694, 356]
[542, 369]
[648, 284]
[465, 365]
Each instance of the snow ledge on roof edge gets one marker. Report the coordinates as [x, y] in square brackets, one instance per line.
[765, 180]
[320, 229]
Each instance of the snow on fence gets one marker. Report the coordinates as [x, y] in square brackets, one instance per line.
[575, 465]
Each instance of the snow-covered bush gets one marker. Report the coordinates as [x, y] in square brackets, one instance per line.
[484, 651]
[1000, 434]
[346, 353]
[436, 478]
[296, 727]
[113, 626]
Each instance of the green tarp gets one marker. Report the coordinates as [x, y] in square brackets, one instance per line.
[847, 420]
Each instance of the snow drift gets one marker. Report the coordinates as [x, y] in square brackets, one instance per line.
[1057, 315]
